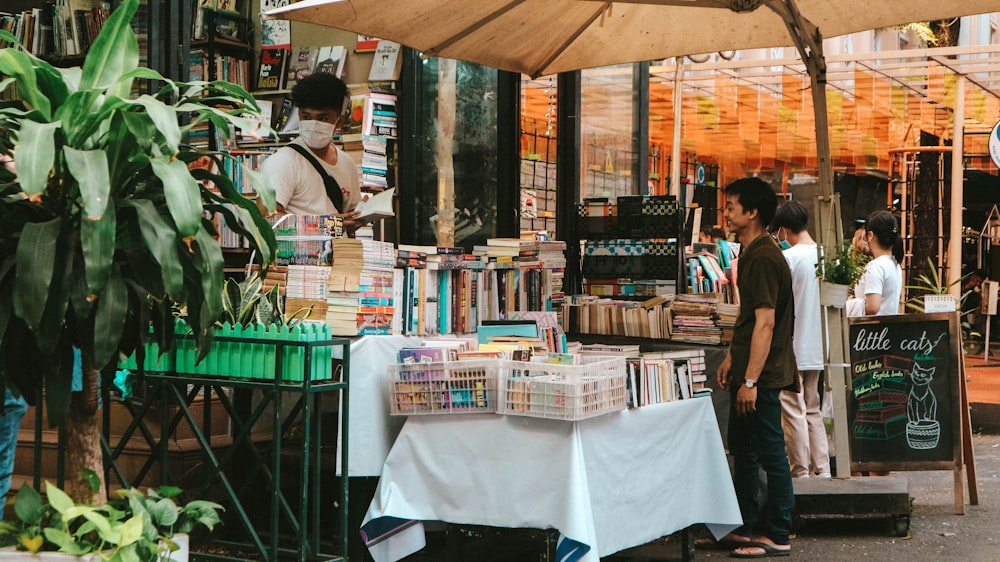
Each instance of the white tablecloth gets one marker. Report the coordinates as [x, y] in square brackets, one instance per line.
[607, 483]
[372, 429]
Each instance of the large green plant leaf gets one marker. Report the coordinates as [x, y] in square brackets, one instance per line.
[114, 52]
[81, 115]
[54, 316]
[182, 193]
[98, 240]
[262, 185]
[19, 65]
[90, 168]
[263, 240]
[10, 38]
[36, 256]
[35, 155]
[165, 119]
[71, 77]
[109, 319]
[161, 239]
[211, 273]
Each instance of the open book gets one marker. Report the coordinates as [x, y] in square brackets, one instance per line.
[376, 207]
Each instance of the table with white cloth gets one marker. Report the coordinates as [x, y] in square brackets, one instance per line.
[606, 484]
[372, 429]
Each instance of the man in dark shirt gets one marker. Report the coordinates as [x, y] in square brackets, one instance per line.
[759, 364]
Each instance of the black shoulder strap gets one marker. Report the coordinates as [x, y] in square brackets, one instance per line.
[329, 182]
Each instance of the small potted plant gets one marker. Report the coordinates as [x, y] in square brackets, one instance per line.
[838, 273]
[132, 527]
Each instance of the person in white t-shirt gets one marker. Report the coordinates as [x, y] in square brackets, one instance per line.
[801, 419]
[881, 284]
[299, 187]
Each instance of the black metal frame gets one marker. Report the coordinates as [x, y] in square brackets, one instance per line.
[180, 389]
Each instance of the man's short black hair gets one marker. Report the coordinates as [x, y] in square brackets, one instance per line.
[755, 193]
[321, 90]
[792, 215]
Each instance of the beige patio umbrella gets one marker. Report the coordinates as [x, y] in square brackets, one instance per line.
[538, 37]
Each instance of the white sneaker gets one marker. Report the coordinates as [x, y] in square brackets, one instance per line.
[824, 475]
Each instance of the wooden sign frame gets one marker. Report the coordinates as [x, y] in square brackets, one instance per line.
[907, 407]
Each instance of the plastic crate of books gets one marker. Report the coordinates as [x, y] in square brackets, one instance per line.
[450, 387]
[566, 392]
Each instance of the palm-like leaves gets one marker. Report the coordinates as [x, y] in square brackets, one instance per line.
[103, 233]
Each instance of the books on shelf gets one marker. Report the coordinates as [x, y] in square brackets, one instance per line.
[331, 59]
[301, 65]
[380, 115]
[57, 29]
[386, 63]
[272, 70]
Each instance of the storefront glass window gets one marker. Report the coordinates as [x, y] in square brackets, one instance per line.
[607, 157]
[538, 153]
[456, 153]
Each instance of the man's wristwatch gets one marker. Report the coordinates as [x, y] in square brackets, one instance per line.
[750, 383]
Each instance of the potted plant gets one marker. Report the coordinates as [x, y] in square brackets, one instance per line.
[132, 527]
[933, 285]
[103, 227]
[838, 273]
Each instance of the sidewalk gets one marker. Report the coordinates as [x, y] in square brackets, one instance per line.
[936, 533]
[983, 382]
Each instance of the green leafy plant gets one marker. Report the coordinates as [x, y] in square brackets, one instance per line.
[933, 284]
[132, 527]
[244, 302]
[104, 228]
[844, 267]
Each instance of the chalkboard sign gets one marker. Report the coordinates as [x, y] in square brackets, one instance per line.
[904, 396]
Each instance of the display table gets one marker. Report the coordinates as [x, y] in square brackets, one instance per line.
[607, 483]
[372, 430]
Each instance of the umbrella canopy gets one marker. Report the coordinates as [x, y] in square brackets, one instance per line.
[538, 37]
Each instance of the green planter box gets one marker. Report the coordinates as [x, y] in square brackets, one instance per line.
[256, 359]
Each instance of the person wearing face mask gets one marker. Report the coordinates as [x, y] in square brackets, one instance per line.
[311, 175]
[801, 418]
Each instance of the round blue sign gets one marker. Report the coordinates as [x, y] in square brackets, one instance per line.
[995, 144]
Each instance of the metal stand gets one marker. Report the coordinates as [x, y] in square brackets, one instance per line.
[290, 528]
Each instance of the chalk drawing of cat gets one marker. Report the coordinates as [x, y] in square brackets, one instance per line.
[921, 404]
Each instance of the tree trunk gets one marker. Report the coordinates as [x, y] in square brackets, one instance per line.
[83, 439]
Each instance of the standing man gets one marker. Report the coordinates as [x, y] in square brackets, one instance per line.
[311, 176]
[758, 366]
[805, 434]
[14, 406]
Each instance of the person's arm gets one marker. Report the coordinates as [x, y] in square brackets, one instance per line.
[873, 303]
[760, 346]
[722, 375]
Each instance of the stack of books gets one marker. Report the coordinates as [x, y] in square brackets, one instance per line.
[360, 299]
[693, 319]
[374, 163]
[726, 319]
[380, 115]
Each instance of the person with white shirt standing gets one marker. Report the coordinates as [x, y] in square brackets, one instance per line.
[801, 418]
[882, 281]
[311, 175]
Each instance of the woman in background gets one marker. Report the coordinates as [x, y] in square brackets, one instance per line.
[882, 280]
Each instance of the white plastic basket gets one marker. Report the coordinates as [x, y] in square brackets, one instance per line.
[565, 392]
[451, 387]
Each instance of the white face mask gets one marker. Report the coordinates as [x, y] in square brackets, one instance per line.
[316, 134]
